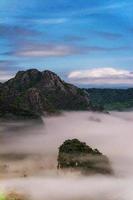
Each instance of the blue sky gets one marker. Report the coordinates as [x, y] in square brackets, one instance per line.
[68, 37]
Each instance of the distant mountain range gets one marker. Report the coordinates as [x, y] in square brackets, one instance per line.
[32, 93]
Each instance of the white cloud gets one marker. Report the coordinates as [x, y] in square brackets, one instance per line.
[52, 21]
[49, 50]
[4, 76]
[102, 8]
[102, 76]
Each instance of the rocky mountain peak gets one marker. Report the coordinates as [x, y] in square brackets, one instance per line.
[32, 77]
[50, 74]
[29, 75]
[35, 78]
[52, 81]
[24, 79]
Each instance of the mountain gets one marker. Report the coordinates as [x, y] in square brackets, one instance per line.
[111, 99]
[31, 93]
[77, 155]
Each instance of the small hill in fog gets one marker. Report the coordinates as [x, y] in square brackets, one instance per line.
[76, 155]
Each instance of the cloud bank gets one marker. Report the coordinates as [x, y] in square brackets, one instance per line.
[101, 76]
[40, 143]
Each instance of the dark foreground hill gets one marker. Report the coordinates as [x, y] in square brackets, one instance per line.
[32, 93]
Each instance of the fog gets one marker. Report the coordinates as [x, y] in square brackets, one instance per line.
[28, 156]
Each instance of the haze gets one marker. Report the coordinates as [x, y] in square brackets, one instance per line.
[28, 154]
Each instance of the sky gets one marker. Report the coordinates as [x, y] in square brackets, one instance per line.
[85, 42]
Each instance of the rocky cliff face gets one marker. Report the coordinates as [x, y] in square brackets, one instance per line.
[33, 92]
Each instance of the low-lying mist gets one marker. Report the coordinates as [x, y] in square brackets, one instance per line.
[28, 156]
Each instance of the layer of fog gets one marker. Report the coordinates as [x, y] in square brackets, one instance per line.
[38, 147]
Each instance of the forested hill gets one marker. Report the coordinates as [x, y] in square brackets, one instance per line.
[111, 99]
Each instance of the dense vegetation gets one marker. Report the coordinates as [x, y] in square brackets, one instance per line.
[76, 155]
[111, 99]
[13, 195]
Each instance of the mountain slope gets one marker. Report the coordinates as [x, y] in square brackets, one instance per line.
[31, 93]
[111, 99]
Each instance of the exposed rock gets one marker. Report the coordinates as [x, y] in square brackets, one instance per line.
[51, 80]
[76, 155]
[34, 99]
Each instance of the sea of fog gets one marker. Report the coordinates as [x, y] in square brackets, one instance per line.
[28, 156]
